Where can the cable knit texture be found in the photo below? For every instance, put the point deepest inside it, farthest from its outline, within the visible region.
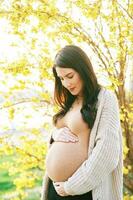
(102, 171)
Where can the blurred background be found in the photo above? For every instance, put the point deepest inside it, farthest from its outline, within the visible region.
(31, 33)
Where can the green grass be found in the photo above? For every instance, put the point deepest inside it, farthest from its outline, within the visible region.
(6, 182)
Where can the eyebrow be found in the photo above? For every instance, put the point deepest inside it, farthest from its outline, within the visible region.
(66, 74)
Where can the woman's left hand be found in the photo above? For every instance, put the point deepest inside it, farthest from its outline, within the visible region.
(59, 187)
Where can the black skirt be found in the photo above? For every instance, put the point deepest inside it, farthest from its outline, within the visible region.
(52, 195)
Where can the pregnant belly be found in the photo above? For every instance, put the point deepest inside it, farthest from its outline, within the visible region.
(63, 159)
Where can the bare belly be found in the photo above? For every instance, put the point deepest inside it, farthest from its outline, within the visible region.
(63, 159)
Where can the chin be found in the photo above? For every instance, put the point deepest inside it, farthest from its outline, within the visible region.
(74, 93)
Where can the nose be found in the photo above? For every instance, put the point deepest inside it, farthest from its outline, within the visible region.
(67, 84)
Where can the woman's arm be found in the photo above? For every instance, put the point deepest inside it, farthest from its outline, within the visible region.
(105, 155)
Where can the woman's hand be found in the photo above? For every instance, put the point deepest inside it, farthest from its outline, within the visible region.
(64, 135)
(59, 187)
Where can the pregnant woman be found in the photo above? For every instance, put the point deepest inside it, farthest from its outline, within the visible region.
(84, 161)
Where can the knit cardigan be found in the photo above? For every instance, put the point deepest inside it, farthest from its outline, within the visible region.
(102, 171)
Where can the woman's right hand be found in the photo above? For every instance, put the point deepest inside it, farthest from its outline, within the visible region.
(64, 135)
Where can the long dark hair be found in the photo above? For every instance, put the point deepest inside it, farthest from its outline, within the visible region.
(74, 57)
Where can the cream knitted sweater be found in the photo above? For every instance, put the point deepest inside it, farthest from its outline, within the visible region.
(102, 171)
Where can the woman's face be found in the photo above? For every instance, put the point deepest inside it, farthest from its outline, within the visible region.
(70, 80)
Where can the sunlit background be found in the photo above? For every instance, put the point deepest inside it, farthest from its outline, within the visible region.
(31, 33)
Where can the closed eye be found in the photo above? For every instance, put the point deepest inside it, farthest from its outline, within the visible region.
(69, 77)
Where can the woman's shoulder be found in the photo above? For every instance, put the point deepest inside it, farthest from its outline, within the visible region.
(107, 95)
(104, 92)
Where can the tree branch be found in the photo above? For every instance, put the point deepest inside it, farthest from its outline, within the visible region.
(122, 8)
(25, 101)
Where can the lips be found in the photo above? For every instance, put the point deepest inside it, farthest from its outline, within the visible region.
(72, 88)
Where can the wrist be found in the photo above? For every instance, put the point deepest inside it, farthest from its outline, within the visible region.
(66, 189)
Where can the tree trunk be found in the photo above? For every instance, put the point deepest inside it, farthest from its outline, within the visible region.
(128, 126)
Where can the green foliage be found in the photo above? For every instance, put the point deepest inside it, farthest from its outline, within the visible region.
(31, 33)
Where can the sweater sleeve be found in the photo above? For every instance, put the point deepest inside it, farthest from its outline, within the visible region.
(105, 155)
(44, 189)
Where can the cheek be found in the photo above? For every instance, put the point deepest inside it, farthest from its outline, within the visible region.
(63, 83)
(77, 80)
(80, 82)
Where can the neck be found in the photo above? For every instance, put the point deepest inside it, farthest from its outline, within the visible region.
(79, 99)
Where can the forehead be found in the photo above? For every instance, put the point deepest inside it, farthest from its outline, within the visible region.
(64, 71)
